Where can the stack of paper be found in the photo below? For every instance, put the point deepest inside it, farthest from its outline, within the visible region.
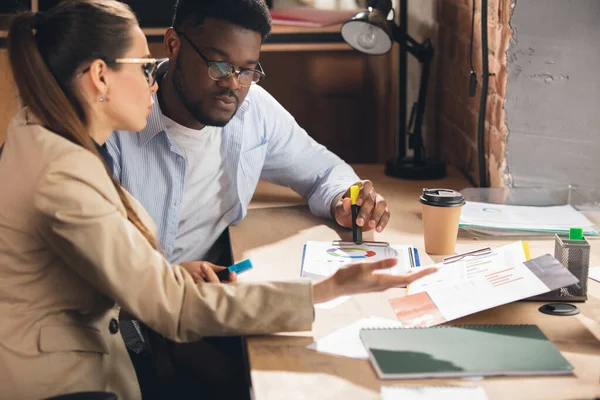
(506, 220)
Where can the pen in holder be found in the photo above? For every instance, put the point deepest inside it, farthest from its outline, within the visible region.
(573, 251)
(575, 255)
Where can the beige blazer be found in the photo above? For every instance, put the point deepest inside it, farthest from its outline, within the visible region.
(69, 257)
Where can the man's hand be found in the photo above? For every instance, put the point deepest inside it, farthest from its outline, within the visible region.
(373, 212)
(203, 271)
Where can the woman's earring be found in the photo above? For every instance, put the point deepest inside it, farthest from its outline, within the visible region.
(102, 99)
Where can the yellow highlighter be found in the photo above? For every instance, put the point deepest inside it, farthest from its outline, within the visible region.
(356, 230)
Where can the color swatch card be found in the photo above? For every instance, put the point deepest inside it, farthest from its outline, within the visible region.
(323, 259)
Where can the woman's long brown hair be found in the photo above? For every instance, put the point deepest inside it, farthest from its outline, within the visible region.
(46, 50)
(45, 53)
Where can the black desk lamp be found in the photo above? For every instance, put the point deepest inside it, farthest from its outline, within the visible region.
(372, 32)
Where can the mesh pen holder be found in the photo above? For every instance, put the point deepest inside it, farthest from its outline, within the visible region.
(575, 256)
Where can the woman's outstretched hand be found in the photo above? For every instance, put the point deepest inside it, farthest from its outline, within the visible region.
(364, 278)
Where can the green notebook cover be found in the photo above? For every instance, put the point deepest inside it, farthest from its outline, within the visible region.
(459, 351)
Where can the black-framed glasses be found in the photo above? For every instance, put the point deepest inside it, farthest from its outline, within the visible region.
(222, 70)
(149, 67)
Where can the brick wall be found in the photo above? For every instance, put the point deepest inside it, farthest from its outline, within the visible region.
(457, 113)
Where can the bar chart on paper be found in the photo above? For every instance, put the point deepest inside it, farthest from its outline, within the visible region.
(325, 258)
(467, 287)
(471, 267)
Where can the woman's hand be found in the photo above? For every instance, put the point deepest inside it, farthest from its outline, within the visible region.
(363, 278)
(203, 271)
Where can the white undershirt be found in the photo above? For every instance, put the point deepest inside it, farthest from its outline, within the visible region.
(209, 197)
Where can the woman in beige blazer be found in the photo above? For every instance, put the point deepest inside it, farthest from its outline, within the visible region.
(75, 248)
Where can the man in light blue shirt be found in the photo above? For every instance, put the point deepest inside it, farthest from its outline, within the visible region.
(209, 83)
(213, 133)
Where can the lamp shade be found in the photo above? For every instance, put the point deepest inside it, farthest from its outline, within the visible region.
(368, 32)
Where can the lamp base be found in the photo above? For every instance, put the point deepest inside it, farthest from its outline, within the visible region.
(559, 309)
(423, 171)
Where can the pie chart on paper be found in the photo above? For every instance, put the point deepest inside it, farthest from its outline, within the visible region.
(321, 259)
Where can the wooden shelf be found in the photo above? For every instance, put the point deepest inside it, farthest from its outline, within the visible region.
(276, 30)
(288, 38)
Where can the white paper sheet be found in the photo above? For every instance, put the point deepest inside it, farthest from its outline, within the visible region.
(432, 393)
(328, 305)
(595, 273)
(346, 341)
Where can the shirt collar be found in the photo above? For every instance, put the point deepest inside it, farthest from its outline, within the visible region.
(154, 124)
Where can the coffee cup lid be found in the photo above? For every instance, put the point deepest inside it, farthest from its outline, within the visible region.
(442, 198)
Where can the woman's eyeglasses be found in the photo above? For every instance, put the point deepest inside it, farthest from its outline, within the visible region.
(222, 70)
(149, 67)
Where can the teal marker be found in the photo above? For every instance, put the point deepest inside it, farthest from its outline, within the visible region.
(238, 268)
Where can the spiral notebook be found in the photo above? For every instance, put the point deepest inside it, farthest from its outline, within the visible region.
(461, 351)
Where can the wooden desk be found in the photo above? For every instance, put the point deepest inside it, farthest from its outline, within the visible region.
(273, 234)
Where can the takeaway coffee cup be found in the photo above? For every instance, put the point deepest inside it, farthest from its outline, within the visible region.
(441, 215)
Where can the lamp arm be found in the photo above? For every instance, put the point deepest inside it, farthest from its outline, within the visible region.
(421, 51)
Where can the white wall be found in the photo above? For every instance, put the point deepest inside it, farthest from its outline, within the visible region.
(553, 94)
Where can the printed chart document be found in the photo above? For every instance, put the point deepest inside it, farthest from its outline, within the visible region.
(505, 218)
(432, 393)
(346, 341)
(322, 259)
(471, 267)
(491, 285)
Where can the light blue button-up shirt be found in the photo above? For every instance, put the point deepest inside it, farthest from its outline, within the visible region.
(262, 141)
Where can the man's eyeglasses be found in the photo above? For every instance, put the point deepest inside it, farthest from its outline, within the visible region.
(149, 67)
(222, 70)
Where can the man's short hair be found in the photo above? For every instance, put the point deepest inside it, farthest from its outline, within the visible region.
(249, 14)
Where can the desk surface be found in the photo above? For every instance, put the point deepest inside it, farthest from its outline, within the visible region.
(272, 235)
